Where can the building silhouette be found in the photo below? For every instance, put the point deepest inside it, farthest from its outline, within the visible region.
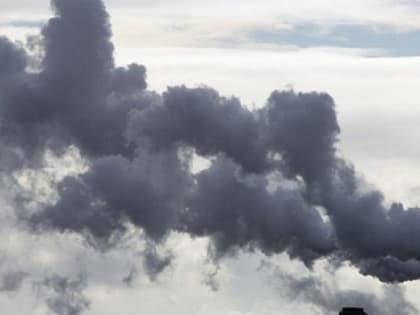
(352, 311)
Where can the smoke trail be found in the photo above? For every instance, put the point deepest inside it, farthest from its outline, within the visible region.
(275, 182)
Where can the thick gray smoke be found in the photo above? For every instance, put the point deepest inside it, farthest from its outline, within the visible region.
(275, 183)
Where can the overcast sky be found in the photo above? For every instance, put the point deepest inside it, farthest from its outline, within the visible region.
(365, 54)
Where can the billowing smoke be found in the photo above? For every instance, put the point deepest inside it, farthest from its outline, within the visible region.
(275, 183)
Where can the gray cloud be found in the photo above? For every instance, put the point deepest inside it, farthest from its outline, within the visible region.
(64, 296)
(155, 262)
(328, 300)
(275, 184)
(23, 23)
(382, 39)
(12, 280)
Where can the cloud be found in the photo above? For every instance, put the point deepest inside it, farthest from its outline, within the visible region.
(12, 281)
(23, 23)
(155, 262)
(378, 11)
(64, 296)
(314, 291)
(389, 41)
(279, 25)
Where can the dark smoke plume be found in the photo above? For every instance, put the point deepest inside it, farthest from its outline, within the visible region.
(275, 183)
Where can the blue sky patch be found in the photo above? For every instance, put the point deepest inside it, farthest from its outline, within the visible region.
(397, 44)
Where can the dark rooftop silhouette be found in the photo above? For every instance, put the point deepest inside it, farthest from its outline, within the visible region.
(352, 311)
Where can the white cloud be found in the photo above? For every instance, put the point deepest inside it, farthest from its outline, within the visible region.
(224, 23)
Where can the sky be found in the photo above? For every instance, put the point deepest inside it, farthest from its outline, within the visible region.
(215, 195)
